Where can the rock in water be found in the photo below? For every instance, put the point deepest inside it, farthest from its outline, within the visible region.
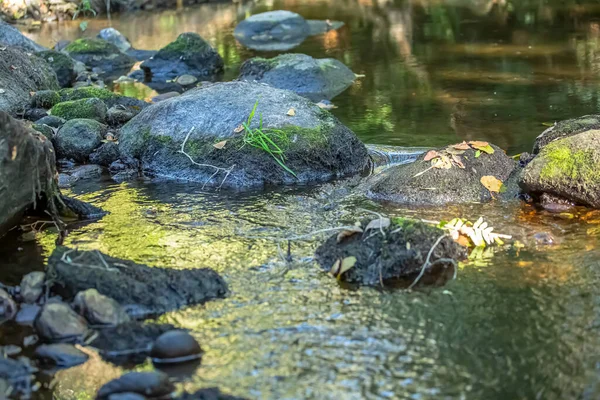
(272, 31)
(142, 289)
(453, 181)
(8, 307)
(11, 36)
(150, 384)
(59, 323)
(18, 373)
(21, 74)
(27, 171)
(208, 394)
(115, 37)
(78, 138)
(106, 154)
(188, 55)
(98, 53)
(32, 286)
(316, 146)
(563, 129)
(567, 168)
(401, 253)
(63, 66)
(315, 79)
(175, 347)
(60, 354)
(99, 309)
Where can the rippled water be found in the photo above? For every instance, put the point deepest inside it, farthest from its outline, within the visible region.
(520, 323)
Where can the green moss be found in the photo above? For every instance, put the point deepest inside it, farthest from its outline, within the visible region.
(298, 136)
(45, 99)
(56, 59)
(562, 163)
(44, 130)
(91, 45)
(86, 93)
(85, 108)
(187, 44)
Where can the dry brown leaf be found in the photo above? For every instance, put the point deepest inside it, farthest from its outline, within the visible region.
(238, 129)
(348, 233)
(14, 153)
(483, 146)
(291, 112)
(456, 159)
(442, 162)
(452, 150)
(431, 154)
(491, 183)
(462, 146)
(379, 223)
(220, 145)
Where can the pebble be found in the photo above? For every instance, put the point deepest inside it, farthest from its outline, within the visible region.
(27, 314)
(99, 309)
(58, 322)
(150, 384)
(175, 347)
(32, 286)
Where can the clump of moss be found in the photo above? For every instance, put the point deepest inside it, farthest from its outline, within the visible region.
(87, 92)
(562, 163)
(44, 130)
(85, 108)
(91, 45)
(187, 45)
(45, 99)
(57, 59)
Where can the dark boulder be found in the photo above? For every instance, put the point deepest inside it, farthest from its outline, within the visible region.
(188, 55)
(106, 154)
(20, 74)
(153, 384)
(60, 354)
(119, 115)
(400, 252)
(457, 180)
(78, 138)
(85, 108)
(315, 79)
(272, 31)
(314, 145)
(98, 53)
(99, 309)
(564, 129)
(57, 322)
(72, 207)
(142, 290)
(63, 65)
(118, 39)
(11, 36)
(568, 168)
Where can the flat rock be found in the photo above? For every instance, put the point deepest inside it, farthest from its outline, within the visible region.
(272, 31)
(60, 354)
(57, 322)
(149, 384)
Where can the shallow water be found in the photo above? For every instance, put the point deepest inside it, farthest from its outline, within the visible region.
(517, 323)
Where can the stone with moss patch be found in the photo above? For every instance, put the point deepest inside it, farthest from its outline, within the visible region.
(98, 53)
(85, 108)
(567, 168)
(316, 79)
(63, 66)
(44, 130)
(45, 99)
(109, 98)
(563, 129)
(316, 146)
(78, 138)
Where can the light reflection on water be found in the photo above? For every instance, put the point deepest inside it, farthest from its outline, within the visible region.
(515, 324)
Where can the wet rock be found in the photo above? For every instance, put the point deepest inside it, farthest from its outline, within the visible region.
(78, 138)
(18, 373)
(165, 96)
(33, 114)
(52, 121)
(272, 31)
(106, 154)
(567, 168)
(317, 146)
(544, 238)
(315, 79)
(126, 396)
(188, 55)
(150, 384)
(186, 80)
(85, 108)
(11, 36)
(60, 354)
(57, 322)
(115, 37)
(175, 347)
(420, 184)
(99, 309)
(128, 343)
(400, 254)
(109, 98)
(564, 129)
(8, 307)
(20, 74)
(45, 99)
(80, 173)
(80, 209)
(98, 53)
(32, 286)
(147, 290)
(63, 65)
(118, 115)
(27, 172)
(27, 314)
(555, 204)
(208, 394)
(45, 130)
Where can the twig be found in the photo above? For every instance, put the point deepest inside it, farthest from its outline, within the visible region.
(217, 169)
(305, 236)
(377, 214)
(426, 263)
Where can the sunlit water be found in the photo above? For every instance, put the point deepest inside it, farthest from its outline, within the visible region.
(517, 323)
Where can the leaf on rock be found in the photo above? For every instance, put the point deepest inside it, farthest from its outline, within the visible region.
(483, 146)
(443, 162)
(431, 154)
(379, 223)
(492, 183)
(457, 161)
(348, 233)
(477, 153)
(340, 266)
(238, 129)
(291, 112)
(14, 153)
(220, 145)
(462, 146)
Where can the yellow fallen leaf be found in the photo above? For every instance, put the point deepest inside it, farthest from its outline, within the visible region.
(442, 162)
(291, 112)
(220, 145)
(492, 183)
(482, 146)
(341, 266)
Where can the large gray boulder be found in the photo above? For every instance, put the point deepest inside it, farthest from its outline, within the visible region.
(11, 36)
(315, 79)
(420, 183)
(27, 171)
(568, 168)
(272, 31)
(563, 129)
(314, 145)
(21, 74)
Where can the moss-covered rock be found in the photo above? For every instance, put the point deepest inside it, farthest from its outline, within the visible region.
(419, 183)
(45, 99)
(315, 145)
(568, 168)
(63, 66)
(78, 138)
(316, 79)
(565, 129)
(85, 108)
(44, 130)
(190, 54)
(105, 155)
(109, 98)
(98, 53)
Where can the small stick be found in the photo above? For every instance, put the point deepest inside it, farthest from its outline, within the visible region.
(426, 264)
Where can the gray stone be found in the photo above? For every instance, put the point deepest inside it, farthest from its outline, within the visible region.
(11, 36)
(106, 154)
(98, 53)
(78, 138)
(318, 27)
(99, 309)
(115, 37)
(60, 354)
(564, 129)
(117, 115)
(63, 65)
(8, 307)
(52, 121)
(27, 314)
(19, 375)
(32, 286)
(175, 347)
(149, 384)
(126, 396)
(45, 99)
(317, 146)
(57, 322)
(315, 79)
(272, 31)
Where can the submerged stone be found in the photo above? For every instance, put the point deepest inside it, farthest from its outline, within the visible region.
(99, 309)
(19, 375)
(208, 394)
(57, 322)
(153, 384)
(60, 354)
(175, 347)
(316, 146)
(78, 138)
(315, 79)
(272, 31)
(85, 108)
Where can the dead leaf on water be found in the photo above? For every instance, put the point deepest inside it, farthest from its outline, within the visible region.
(291, 112)
(220, 145)
(348, 233)
(379, 223)
(492, 183)
(431, 154)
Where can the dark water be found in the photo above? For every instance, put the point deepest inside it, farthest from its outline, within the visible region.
(517, 323)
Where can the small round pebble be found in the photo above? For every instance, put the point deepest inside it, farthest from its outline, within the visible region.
(175, 347)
